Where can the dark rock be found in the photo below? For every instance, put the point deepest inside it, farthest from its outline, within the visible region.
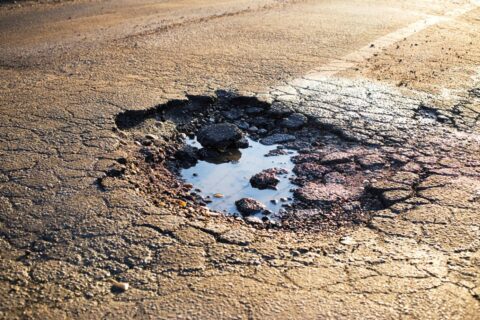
(119, 287)
(242, 124)
(262, 122)
(310, 170)
(253, 110)
(276, 152)
(277, 138)
(267, 179)
(187, 156)
(232, 114)
(122, 160)
(249, 206)
(219, 136)
(279, 110)
(147, 142)
(294, 121)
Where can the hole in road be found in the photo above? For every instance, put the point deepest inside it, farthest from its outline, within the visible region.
(262, 161)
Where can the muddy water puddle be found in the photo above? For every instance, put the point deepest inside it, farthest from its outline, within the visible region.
(328, 181)
(225, 180)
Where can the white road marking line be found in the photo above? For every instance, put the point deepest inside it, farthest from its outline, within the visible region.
(352, 59)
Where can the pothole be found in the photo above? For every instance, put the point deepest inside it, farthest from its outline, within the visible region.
(264, 162)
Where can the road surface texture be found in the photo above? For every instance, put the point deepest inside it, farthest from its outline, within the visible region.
(399, 75)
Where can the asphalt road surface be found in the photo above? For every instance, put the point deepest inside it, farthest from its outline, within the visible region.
(401, 75)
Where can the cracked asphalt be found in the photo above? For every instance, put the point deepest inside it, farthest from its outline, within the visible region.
(69, 68)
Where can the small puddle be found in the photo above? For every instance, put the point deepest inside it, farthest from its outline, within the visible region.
(230, 177)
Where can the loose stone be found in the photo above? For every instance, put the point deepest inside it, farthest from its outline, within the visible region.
(294, 121)
(249, 206)
(266, 179)
(219, 136)
(151, 136)
(119, 287)
(254, 220)
(232, 114)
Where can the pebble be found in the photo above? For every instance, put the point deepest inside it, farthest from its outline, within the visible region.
(347, 241)
(218, 195)
(254, 220)
(182, 203)
(120, 286)
(151, 136)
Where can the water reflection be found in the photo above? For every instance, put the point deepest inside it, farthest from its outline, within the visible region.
(229, 174)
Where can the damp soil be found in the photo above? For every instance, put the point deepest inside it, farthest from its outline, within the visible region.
(325, 180)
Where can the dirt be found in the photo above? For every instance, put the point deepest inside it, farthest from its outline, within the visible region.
(80, 218)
